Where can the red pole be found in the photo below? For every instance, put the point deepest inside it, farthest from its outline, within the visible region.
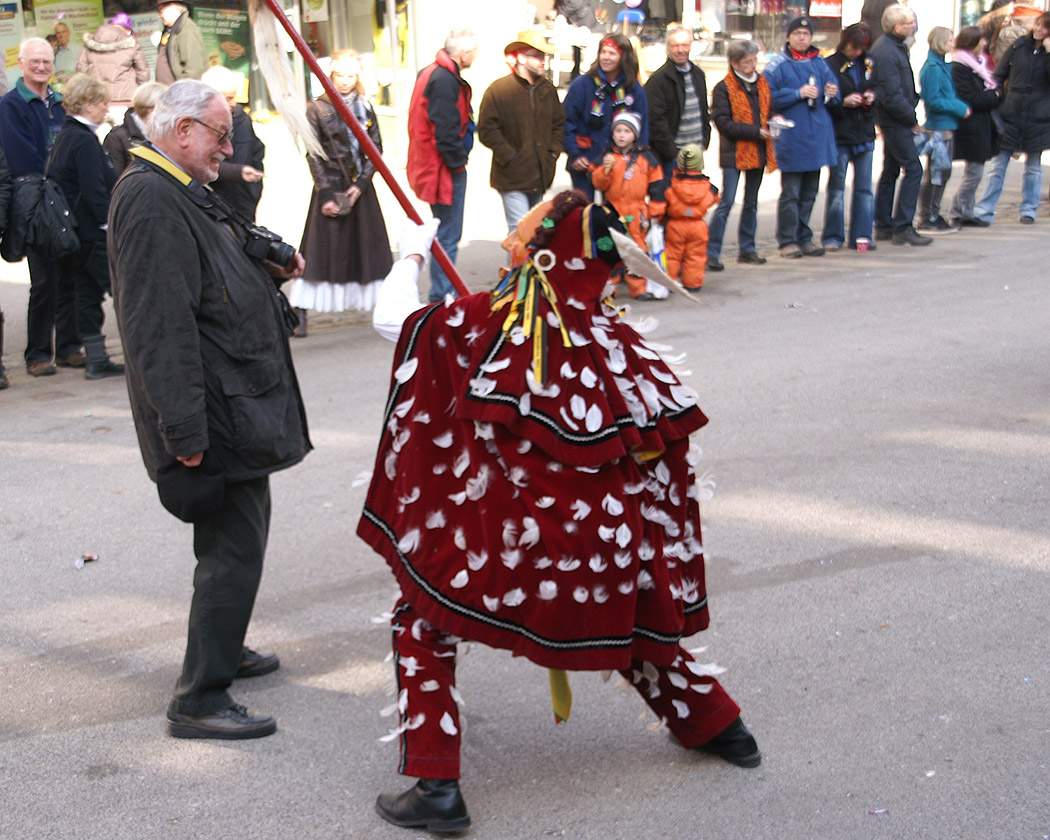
(366, 142)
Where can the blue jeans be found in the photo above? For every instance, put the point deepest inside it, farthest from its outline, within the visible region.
(862, 209)
(798, 191)
(899, 152)
(448, 236)
(516, 204)
(748, 214)
(1031, 186)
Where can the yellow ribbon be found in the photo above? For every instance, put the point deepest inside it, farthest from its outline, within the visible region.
(561, 695)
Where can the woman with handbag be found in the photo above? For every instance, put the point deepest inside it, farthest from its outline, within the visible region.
(84, 172)
(345, 242)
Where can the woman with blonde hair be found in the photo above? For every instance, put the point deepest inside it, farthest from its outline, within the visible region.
(944, 109)
(134, 131)
(86, 175)
(345, 242)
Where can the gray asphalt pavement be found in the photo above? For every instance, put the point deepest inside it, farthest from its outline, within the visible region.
(878, 559)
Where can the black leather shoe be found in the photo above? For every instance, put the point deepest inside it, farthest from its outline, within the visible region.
(882, 234)
(431, 804)
(714, 264)
(256, 664)
(232, 724)
(811, 249)
(751, 258)
(734, 744)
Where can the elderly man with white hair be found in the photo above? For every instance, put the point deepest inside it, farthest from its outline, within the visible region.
(213, 392)
(440, 137)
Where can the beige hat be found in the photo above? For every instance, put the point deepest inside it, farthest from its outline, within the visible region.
(529, 40)
(691, 158)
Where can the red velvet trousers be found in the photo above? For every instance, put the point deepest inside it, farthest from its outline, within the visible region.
(694, 706)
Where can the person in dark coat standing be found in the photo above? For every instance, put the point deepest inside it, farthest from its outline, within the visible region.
(440, 138)
(86, 176)
(345, 240)
(241, 174)
(1024, 72)
(854, 121)
(521, 120)
(975, 138)
(133, 131)
(7, 185)
(213, 391)
(31, 115)
(741, 105)
(677, 94)
(895, 101)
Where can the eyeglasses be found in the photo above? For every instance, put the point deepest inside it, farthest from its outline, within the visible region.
(222, 136)
(40, 62)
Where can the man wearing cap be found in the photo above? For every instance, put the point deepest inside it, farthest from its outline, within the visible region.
(801, 86)
(895, 101)
(181, 53)
(522, 121)
(677, 93)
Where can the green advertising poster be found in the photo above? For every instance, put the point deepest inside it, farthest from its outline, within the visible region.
(66, 22)
(227, 38)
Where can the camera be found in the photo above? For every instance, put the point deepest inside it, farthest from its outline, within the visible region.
(263, 244)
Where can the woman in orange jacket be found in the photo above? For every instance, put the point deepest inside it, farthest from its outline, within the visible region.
(688, 199)
(626, 173)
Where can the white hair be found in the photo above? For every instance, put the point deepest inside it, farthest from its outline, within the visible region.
(223, 79)
(186, 98)
(33, 42)
(459, 41)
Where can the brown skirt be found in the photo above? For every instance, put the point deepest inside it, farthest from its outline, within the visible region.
(346, 249)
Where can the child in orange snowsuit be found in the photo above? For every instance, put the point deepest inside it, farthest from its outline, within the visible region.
(624, 176)
(688, 198)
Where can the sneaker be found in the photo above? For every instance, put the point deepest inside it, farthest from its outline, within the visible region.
(974, 222)
(883, 233)
(791, 252)
(77, 359)
(937, 225)
(909, 236)
(41, 369)
(832, 247)
(812, 250)
(714, 264)
(1027, 220)
(751, 258)
(103, 370)
(644, 296)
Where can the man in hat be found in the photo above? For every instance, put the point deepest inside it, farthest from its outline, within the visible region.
(522, 121)
(181, 53)
(677, 94)
(534, 492)
(801, 86)
(895, 101)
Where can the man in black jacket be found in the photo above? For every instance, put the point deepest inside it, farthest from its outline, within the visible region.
(213, 392)
(677, 94)
(240, 176)
(895, 101)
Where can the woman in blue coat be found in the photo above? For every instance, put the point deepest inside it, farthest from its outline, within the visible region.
(944, 109)
(611, 85)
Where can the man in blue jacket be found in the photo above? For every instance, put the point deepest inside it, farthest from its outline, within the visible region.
(801, 87)
(31, 116)
(895, 101)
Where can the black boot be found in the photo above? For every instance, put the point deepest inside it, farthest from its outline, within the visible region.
(98, 364)
(734, 744)
(431, 804)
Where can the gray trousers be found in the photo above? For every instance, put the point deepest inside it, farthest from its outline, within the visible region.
(962, 204)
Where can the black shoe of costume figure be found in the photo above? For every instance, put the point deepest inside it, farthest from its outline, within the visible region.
(430, 804)
(735, 745)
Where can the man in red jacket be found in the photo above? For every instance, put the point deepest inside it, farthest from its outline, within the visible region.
(440, 137)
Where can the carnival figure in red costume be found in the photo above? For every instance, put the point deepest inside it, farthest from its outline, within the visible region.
(534, 490)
